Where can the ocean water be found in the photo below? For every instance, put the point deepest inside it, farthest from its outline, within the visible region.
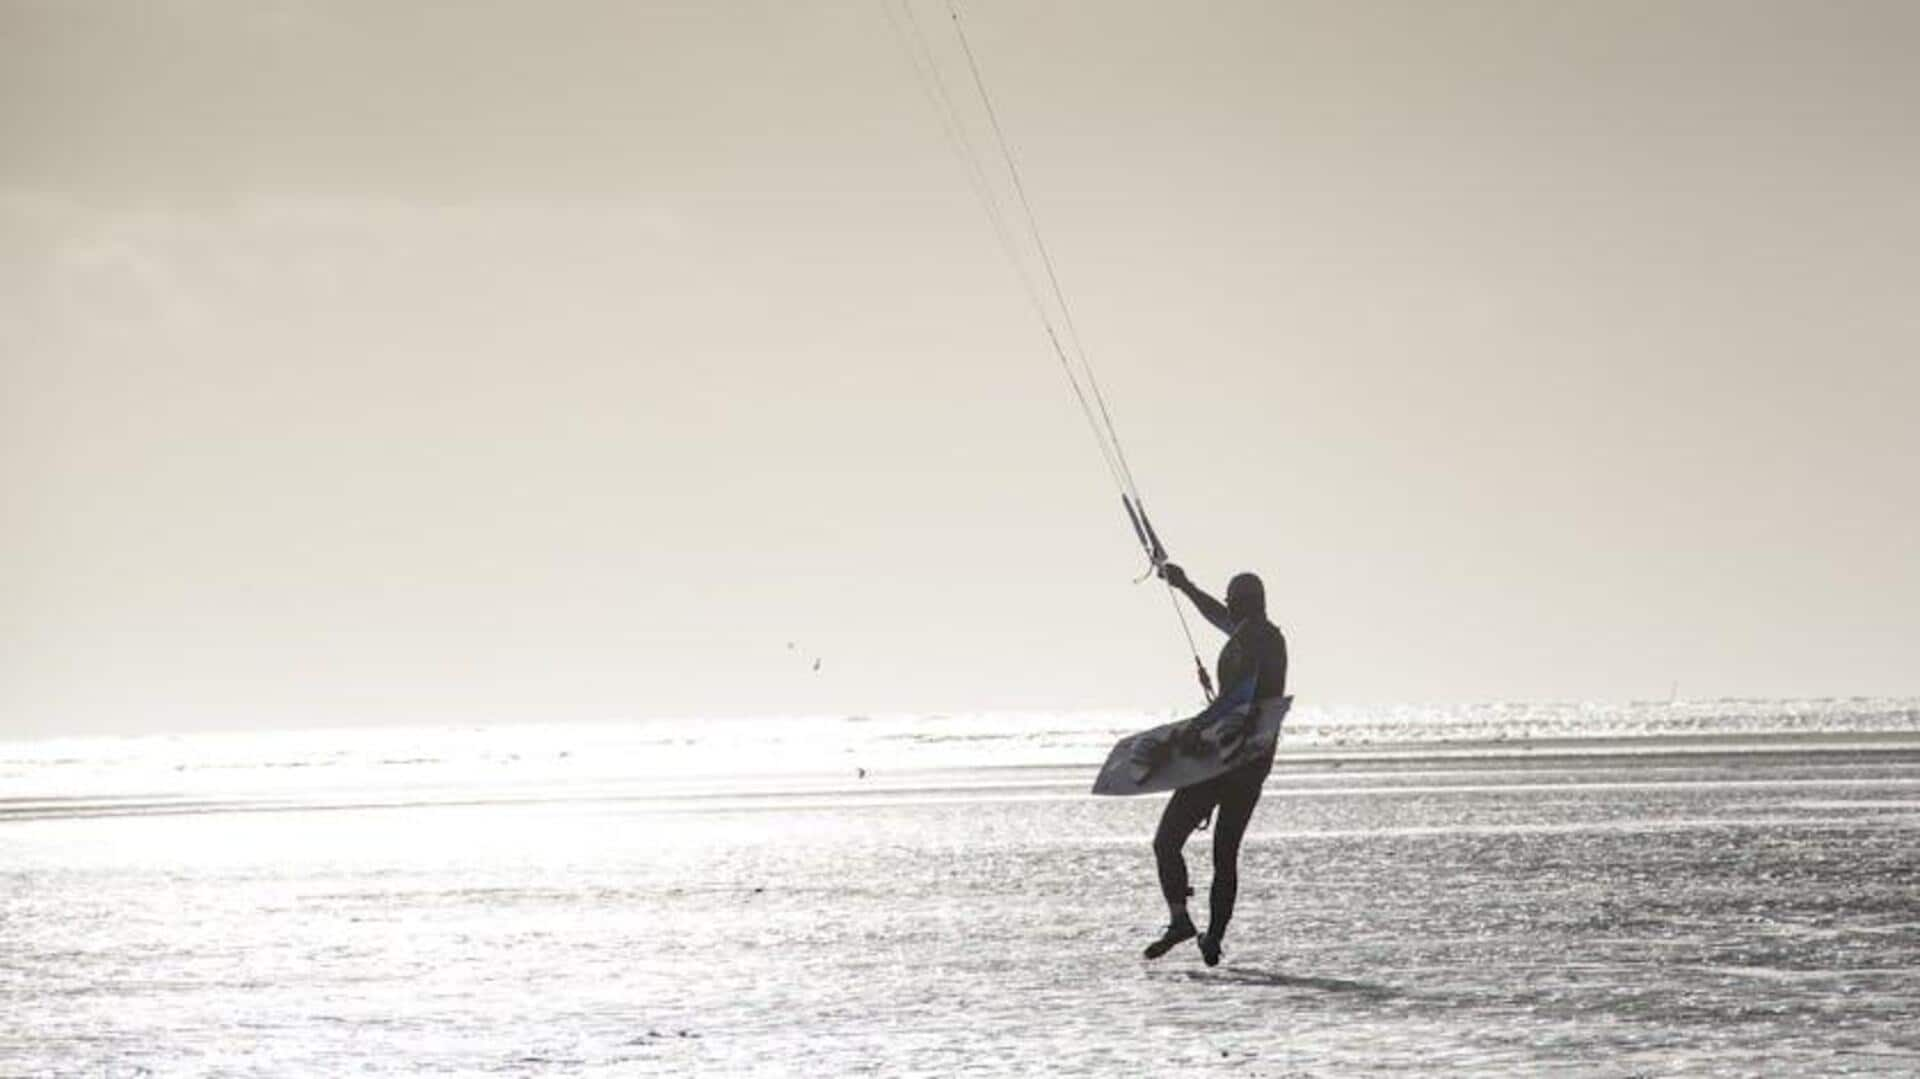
(1725, 887)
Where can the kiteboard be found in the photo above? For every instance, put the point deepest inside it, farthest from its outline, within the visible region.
(1234, 730)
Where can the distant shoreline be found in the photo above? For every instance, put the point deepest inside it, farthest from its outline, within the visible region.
(804, 789)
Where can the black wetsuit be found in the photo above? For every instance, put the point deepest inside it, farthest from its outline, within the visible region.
(1256, 647)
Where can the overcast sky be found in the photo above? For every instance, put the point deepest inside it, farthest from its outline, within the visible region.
(385, 362)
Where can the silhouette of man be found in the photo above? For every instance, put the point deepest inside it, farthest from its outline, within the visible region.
(1255, 647)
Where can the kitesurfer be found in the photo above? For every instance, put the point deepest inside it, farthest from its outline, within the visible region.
(1255, 647)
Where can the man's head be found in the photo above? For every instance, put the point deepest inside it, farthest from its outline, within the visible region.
(1246, 598)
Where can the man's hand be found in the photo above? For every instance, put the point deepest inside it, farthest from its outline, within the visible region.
(1212, 609)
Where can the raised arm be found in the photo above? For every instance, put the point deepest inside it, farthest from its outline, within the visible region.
(1211, 609)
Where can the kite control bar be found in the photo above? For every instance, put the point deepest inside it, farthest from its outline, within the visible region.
(1157, 558)
(1143, 531)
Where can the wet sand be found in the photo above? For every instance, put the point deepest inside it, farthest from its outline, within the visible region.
(1715, 911)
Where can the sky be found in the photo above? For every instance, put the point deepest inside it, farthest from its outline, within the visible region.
(373, 363)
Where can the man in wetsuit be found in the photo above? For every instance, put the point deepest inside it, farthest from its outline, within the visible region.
(1255, 647)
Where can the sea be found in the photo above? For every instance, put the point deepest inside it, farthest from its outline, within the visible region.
(1713, 887)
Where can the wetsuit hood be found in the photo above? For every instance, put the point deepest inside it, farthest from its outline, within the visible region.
(1246, 598)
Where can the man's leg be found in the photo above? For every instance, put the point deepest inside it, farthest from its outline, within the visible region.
(1239, 794)
(1184, 812)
